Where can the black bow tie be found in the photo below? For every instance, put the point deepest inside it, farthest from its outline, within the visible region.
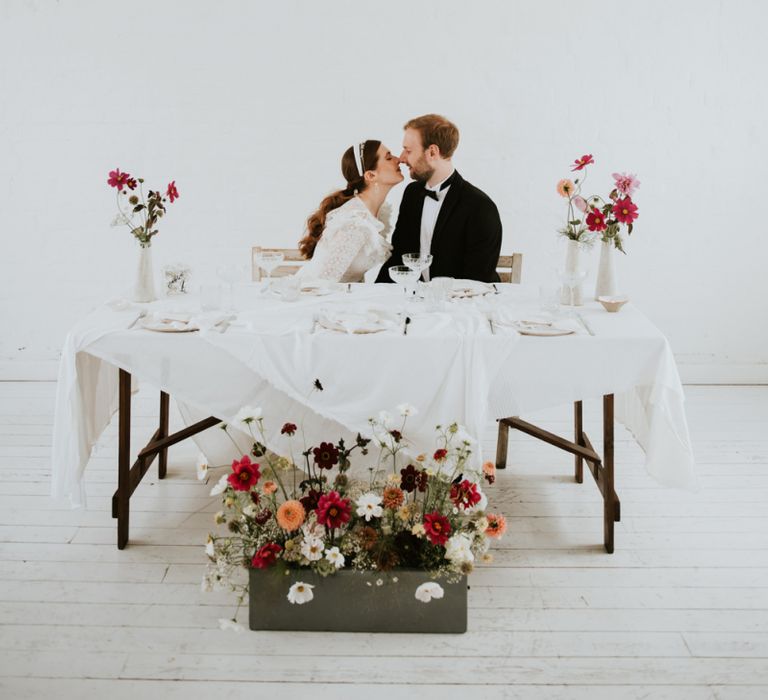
(433, 193)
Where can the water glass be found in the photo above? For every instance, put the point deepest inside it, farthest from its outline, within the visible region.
(210, 297)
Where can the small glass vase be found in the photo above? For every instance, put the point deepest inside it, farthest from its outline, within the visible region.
(144, 287)
(606, 274)
(570, 294)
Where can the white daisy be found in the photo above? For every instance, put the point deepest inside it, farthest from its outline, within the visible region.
(405, 410)
(312, 548)
(300, 593)
(334, 556)
(426, 591)
(369, 506)
(221, 486)
(202, 467)
(248, 414)
(232, 625)
(458, 549)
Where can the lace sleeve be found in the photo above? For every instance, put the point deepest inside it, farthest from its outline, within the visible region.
(344, 243)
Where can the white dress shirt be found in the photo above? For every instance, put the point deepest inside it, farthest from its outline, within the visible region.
(429, 218)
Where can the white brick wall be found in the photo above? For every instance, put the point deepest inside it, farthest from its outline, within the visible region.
(249, 105)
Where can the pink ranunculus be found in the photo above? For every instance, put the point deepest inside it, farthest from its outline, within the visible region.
(625, 211)
(580, 203)
(172, 193)
(596, 220)
(118, 179)
(626, 183)
(583, 162)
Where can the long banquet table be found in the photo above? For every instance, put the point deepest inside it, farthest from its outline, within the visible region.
(465, 363)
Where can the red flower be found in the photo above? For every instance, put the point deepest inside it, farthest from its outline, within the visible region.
(310, 500)
(440, 455)
(412, 479)
(583, 162)
(245, 474)
(266, 556)
(465, 495)
(596, 220)
(131, 183)
(326, 455)
(625, 211)
(332, 510)
(262, 516)
(172, 193)
(396, 434)
(437, 527)
(118, 179)
(288, 429)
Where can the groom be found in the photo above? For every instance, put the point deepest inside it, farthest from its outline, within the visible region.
(441, 213)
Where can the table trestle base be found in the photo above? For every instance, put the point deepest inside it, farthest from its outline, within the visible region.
(601, 468)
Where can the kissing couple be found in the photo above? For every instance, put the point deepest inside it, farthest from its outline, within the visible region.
(440, 212)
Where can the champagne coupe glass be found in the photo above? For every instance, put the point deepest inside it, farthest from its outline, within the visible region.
(417, 262)
(268, 261)
(405, 276)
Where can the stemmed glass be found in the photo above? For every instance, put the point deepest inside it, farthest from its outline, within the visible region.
(572, 280)
(231, 274)
(417, 262)
(268, 261)
(405, 276)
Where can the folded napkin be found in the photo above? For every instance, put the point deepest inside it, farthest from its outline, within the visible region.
(350, 321)
(466, 289)
(184, 321)
(534, 324)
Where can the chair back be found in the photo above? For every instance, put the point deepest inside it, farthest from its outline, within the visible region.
(292, 261)
(510, 268)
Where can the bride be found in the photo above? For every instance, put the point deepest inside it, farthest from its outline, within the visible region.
(347, 235)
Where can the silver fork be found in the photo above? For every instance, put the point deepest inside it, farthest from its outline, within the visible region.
(141, 315)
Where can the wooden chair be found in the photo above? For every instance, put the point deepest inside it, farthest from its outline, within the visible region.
(510, 267)
(290, 255)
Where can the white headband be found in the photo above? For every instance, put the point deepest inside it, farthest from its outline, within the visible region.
(358, 153)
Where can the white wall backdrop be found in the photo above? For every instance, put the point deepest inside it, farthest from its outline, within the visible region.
(249, 105)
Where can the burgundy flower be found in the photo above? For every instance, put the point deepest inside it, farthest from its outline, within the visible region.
(118, 179)
(332, 510)
(131, 183)
(262, 516)
(255, 497)
(437, 527)
(172, 193)
(412, 479)
(465, 494)
(245, 474)
(288, 429)
(583, 162)
(310, 500)
(440, 455)
(625, 211)
(596, 220)
(396, 434)
(326, 455)
(266, 556)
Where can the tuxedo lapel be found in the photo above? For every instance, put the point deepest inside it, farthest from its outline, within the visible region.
(451, 198)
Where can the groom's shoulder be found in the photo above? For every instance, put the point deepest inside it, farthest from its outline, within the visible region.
(474, 194)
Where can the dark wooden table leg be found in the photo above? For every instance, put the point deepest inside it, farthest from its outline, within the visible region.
(123, 459)
(163, 432)
(578, 428)
(609, 508)
(501, 445)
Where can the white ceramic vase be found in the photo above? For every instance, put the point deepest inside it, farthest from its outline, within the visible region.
(570, 294)
(144, 288)
(606, 274)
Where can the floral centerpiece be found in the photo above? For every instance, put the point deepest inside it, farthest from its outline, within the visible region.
(424, 512)
(599, 217)
(140, 214)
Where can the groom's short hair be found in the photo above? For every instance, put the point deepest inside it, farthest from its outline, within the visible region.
(438, 130)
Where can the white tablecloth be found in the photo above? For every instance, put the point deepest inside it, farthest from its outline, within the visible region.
(453, 365)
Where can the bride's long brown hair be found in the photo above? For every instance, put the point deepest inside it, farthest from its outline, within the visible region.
(355, 184)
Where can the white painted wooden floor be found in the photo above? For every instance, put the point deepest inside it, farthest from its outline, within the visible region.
(680, 611)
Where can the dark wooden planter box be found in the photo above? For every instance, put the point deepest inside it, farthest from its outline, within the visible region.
(351, 601)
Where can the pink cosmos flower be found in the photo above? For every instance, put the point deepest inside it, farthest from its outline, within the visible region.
(172, 193)
(596, 220)
(580, 203)
(626, 183)
(118, 179)
(583, 162)
(625, 211)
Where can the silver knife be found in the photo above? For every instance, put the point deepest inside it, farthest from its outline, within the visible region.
(584, 323)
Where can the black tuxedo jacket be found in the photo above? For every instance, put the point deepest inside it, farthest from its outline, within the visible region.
(467, 237)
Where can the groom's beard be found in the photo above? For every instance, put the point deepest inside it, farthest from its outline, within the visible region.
(421, 172)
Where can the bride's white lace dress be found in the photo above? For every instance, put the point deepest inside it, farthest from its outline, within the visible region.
(353, 242)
